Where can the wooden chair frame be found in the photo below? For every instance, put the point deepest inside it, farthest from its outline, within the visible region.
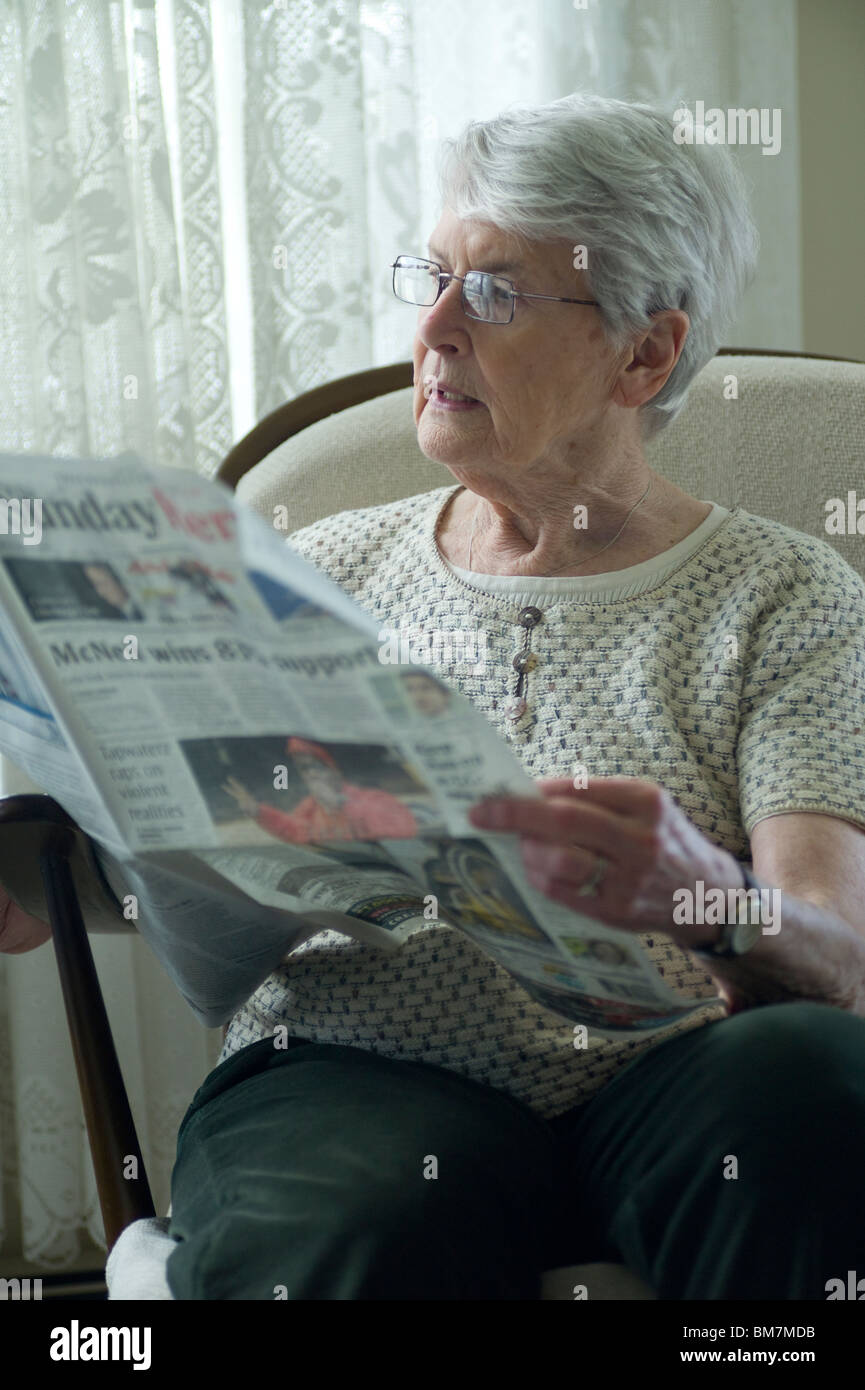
(111, 1133)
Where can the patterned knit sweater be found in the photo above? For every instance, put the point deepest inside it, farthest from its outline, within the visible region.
(736, 681)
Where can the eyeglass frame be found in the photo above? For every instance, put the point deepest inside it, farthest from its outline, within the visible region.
(446, 276)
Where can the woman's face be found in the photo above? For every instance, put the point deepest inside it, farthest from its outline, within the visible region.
(542, 383)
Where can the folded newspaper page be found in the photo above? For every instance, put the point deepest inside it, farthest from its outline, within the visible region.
(254, 767)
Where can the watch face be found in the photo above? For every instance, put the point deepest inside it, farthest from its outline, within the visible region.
(745, 935)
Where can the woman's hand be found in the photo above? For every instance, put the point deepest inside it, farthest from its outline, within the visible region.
(244, 798)
(650, 846)
(19, 932)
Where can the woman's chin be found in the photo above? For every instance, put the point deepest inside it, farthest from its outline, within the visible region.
(447, 445)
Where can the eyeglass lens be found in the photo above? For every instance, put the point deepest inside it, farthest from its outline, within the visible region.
(485, 296)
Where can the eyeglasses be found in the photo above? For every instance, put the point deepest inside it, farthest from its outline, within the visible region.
(488, 298)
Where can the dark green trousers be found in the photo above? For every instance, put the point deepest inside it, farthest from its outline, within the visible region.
(727, 1163)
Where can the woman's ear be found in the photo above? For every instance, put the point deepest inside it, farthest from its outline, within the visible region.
(652, 357)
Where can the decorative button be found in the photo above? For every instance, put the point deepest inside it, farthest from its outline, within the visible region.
(515, 707)
(525, 662)
(529, 617)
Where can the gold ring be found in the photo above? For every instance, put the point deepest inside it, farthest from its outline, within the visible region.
(590, 888)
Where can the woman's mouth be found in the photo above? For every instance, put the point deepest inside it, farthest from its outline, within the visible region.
(447, 397)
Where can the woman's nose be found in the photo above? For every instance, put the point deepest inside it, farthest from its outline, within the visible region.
(446, 315)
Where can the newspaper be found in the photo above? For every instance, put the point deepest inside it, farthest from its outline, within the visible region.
(229, 728)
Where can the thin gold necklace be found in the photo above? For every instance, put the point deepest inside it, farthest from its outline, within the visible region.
(579, 563)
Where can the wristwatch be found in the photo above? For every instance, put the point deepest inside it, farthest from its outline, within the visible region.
(741, 935)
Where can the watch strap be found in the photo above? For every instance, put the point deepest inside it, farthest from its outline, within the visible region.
(723, 948)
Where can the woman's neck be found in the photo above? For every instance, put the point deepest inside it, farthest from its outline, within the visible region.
(605, 530)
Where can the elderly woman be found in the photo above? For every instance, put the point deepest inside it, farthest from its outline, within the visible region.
(413, 1125)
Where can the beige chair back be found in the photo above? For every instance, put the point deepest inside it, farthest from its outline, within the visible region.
(778, 436)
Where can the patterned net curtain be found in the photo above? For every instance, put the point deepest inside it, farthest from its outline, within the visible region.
(95, 358)
(200, 201)
(346, 104)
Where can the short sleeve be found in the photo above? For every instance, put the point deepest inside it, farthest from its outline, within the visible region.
(801, 744)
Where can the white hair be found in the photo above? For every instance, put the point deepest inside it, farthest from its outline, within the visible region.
(666, 225)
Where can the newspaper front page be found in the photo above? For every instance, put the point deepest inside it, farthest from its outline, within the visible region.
(255, 765)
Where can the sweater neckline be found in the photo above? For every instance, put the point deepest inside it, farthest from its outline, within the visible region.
(628, 585)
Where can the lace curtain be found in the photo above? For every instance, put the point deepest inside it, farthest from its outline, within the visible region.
(198, 205)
